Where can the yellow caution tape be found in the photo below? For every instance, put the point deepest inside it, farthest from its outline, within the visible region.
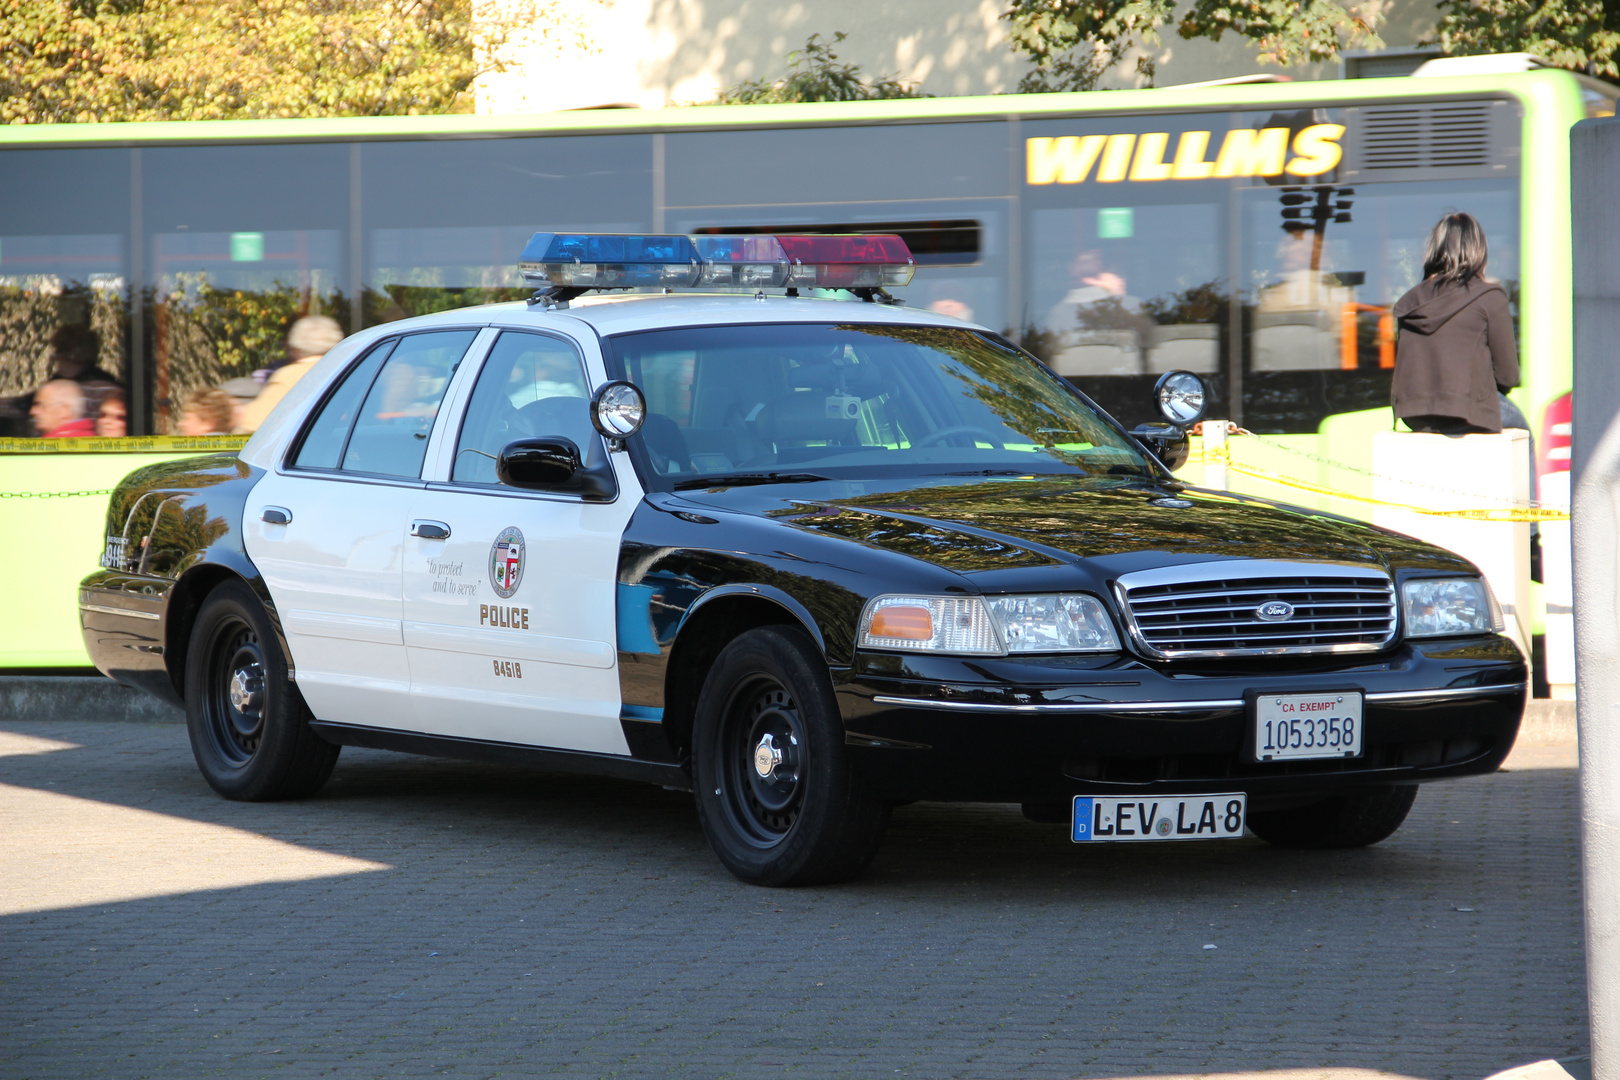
(1523, 513)
(137, 444)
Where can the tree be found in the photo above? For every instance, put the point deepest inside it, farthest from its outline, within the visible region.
(815, 75)
(1581, 35)
(1075, 42)
(64, 61)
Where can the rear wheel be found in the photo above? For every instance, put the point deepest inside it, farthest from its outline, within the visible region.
(248, 723)
(775, 792)
(1354, 819)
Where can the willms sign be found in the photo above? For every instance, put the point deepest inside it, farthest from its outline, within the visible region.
(1069, 159)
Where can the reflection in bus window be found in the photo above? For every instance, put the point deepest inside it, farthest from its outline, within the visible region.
(224, 301)
(1121, 294)
(1320, 283)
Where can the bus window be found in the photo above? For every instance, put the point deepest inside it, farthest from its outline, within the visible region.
(1119, 294)
(240, 241)
(443, 219)
(63, 241)
(1323, 265)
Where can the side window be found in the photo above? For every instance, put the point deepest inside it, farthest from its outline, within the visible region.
(323, 443)
(531, 385)
(390, 434)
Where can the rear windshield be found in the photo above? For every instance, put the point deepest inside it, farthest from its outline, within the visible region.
(847, 401)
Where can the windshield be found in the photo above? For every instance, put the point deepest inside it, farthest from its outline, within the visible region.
(842, 401)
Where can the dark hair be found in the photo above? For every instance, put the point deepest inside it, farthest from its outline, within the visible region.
(77, 342)
(1455, 250)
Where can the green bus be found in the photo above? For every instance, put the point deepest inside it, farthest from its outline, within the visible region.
(1256, 234)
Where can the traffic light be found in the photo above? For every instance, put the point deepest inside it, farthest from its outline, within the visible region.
(1313, 208)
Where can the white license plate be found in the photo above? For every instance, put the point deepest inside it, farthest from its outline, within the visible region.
(1165, 817)
(1294, 727)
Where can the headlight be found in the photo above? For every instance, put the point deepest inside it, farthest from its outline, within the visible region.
(1436, 607)
(988, 626)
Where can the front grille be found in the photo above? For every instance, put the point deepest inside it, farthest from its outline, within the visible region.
(1213, 609)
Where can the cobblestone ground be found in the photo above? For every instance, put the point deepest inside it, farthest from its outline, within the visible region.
(426, 918)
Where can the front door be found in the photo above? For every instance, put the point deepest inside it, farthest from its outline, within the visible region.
(509, 619)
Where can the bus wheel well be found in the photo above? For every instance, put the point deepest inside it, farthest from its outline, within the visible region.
(185, 599)
(714, 626)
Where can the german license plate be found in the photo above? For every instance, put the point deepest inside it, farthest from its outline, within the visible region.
(1166, 817)
(1296, 727)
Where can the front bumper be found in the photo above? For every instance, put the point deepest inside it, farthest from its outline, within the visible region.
(1045, 730)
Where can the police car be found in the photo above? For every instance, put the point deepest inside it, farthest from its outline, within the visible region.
(808, 558)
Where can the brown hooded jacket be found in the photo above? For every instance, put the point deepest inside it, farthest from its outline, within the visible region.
(1455, 351)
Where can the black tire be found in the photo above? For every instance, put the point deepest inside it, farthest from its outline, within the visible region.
(249, 725)
(1355, 819)
(809, 820)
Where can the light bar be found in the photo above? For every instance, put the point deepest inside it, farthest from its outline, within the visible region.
(608, 261)
(578, 261)
(853, 261)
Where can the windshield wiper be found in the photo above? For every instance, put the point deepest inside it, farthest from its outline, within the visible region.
(741, 479)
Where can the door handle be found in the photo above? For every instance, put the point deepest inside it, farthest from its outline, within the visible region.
(276, 515)
(430, 530)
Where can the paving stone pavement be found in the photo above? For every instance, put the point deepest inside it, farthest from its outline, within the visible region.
(428, 918)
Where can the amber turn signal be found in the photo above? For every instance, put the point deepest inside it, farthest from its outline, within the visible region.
(905, 623)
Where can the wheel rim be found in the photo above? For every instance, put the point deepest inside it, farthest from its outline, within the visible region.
(762, 761)
(236, 696)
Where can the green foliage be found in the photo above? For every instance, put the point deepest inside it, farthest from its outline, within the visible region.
(1075, 42)
(814, 74)
(65, 61)
(1581, 35)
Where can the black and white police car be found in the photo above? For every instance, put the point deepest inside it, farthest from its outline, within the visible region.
(807, 558)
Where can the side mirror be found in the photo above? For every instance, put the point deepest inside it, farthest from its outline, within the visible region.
(538, 463)
(1179, 396)
(552, 463)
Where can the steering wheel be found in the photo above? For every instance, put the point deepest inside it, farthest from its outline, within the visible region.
(959, 429)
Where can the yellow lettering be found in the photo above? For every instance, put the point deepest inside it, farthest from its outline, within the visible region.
(1116, 159)
(1150, 163)
(1253, 153)
(483, 614)
(1190, 163)
(525, 618)
(1318, 149)
(1063, 160)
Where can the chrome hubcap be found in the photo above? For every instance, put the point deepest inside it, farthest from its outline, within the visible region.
(245, 690)
(767, 756)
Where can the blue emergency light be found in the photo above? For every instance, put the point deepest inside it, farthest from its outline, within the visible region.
(563, 265)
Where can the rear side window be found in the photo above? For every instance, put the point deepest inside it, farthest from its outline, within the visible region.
(323, 442)
(402, 383)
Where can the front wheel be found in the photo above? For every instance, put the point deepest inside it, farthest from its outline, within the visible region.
(248, 723)
(775, 791)
(1354, 819)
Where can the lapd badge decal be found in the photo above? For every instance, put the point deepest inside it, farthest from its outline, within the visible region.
(506, 562)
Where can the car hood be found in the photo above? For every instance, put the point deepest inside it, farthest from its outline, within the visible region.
(987, 525)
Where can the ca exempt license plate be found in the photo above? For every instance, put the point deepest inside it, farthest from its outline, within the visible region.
(1295, 727)
(1166, 817)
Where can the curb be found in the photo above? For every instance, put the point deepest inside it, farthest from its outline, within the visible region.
(74, 697)
(80, 697)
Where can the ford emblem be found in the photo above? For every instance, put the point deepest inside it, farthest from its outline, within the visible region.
(1275, 610)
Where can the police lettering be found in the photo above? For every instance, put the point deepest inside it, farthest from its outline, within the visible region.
(1071, 159)
(513, 618)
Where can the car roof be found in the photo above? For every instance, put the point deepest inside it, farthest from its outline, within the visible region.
(627, 313)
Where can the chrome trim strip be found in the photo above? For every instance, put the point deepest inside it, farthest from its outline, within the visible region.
(1237, 569)
(131, 612)
(1444, 692)
(1086, 706)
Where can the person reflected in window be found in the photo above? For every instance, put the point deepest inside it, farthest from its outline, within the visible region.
(1099, 299)
(1455, 354)
(1300, 283)
(207, 412)
(58, 411)
(307, 341)
(105, 404)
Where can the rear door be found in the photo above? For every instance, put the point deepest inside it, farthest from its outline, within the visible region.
(333, 567)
